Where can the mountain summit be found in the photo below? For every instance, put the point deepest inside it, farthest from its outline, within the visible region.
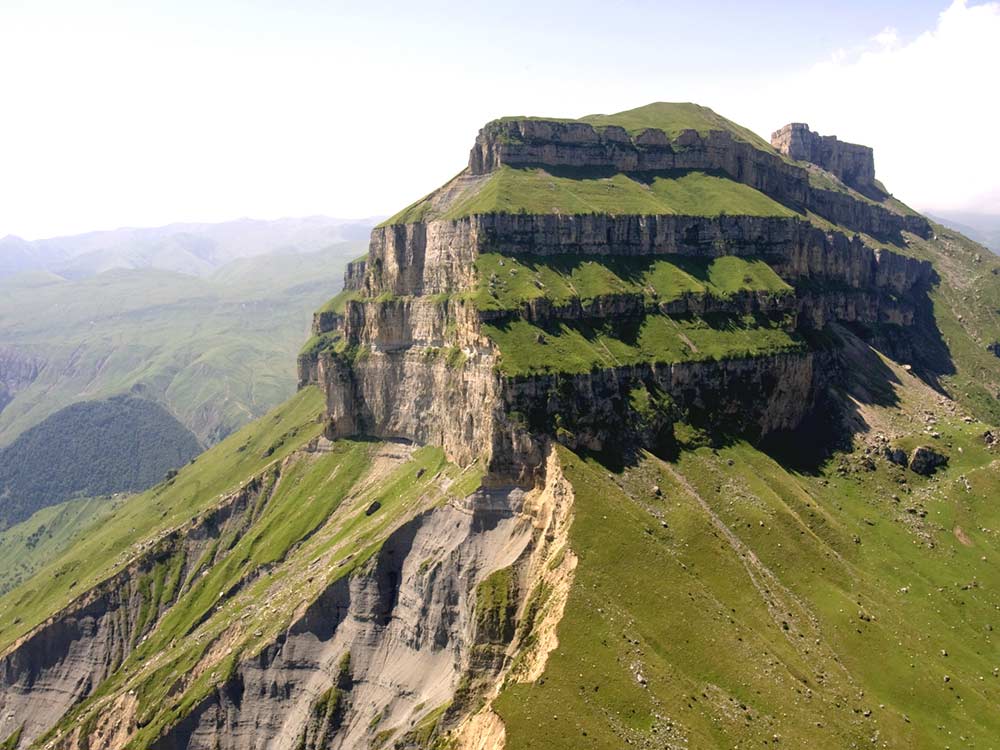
(641, 431)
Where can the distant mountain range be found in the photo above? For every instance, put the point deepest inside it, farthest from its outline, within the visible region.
(983, 228)
(212, 338)
(196, 249)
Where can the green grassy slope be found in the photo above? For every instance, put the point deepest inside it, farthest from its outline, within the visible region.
(30, 544)
(749, 605)
(217, 352)
(535, 190)
(505, 282)
(197, 486)
(526, 348)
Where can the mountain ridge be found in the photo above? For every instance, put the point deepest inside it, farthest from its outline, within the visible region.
(572, 480)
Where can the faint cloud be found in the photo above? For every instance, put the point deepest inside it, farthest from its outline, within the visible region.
(887, 39)
(928, 106)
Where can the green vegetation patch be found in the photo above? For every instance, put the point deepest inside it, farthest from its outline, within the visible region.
(338, 303)
(122, 444)
(496, 606)
(744, 602)
(579, 347)
(197, 486)
(506, 282)
(513, 190)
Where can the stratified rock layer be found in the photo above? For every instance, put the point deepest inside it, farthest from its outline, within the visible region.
(412, 360)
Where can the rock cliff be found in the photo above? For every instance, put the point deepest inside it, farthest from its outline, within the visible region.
(415, 353)
(852, 163)
(668, 431)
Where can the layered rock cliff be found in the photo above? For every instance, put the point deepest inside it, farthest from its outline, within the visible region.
(688, 508)
(852, 163)
(419, 351)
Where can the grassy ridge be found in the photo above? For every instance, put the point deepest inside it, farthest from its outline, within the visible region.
(505, 282)
(303, 539)
(579, 347)
(540, 191)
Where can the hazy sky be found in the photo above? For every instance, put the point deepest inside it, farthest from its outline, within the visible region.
(144, 113)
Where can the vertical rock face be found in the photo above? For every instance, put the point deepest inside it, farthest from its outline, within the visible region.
(354, 276)
(412, 359)
(852, 163)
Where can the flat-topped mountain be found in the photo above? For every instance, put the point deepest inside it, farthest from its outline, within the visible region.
(597, 280)
(639, 432)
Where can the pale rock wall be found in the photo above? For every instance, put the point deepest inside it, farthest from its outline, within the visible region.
(439, 257)
(520, 143)
(407, 621)
(852, 163)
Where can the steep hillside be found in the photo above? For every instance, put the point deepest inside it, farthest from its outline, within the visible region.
(639, 432)
(26, 546)
(215, 351)
(122, 444)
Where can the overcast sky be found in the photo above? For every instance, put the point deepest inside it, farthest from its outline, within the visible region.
(145, 113)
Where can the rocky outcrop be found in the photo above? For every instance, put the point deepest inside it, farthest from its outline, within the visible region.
(852, 163)
(575, 144)
(819, 308)
(354, 276)
(925, 460)
(542, 310)
(522, 143)
(439, 257)
(17, 371)
(407, 621)
(601, 410)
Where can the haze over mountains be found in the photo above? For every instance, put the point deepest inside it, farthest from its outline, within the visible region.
(192, 248)
(983, 228)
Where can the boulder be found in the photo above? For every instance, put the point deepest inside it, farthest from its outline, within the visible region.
(925, 460)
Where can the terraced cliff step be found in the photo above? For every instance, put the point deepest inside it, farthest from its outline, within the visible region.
(624, 249)
(440, 257)
(665, 137)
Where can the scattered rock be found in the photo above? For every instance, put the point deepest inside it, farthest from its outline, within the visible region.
(896, 456)
(925, 460)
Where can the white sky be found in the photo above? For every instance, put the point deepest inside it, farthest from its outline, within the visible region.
(145, 113)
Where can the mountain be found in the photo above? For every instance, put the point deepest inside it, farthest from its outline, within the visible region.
(641, 431)
(983, 228)
(216, 351)
(122, 444)
(196, 249)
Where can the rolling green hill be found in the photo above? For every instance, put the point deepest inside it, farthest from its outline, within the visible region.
(91, 448)
(216, 351)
